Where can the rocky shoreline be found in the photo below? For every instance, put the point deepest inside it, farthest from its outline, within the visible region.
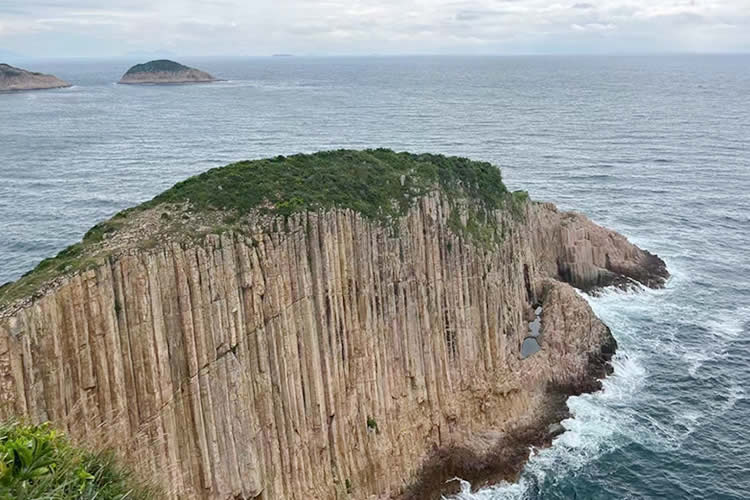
(487, 459)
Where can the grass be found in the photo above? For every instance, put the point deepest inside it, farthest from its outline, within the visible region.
(372, 424)
(74, 258)
(379, 184)
(38, 462)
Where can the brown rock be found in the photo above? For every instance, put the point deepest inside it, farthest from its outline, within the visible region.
(257, 368)
(12, 79)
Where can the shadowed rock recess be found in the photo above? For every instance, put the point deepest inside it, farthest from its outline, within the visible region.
(340, 325)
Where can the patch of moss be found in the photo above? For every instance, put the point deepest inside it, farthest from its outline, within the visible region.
(100, 231)
(519, 199)
(71, 259)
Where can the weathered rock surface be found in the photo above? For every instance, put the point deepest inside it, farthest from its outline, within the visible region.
(164, 71)
(555, 430)
(330, 360)
(594, 256)
(12, 79)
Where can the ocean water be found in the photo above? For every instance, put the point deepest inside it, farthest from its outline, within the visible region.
(657, 148)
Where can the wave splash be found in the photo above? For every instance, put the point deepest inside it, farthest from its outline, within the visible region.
(654, 329)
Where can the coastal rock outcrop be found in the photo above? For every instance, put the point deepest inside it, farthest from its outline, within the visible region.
(293, 352)
(164, 71)
(13, 79)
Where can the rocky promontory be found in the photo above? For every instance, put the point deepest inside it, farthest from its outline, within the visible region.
(164, 71)
(343, 325)
(12, 78)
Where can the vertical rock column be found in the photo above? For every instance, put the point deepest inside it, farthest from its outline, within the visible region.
(328, 357)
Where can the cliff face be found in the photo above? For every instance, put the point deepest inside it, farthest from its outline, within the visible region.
(12, 78)
(331, 359)
(163, 71)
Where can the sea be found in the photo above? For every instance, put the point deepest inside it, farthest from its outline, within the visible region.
(655, 147)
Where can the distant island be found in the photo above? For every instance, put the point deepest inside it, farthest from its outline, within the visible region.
(12, 79)
(164, 71)
(282, 55)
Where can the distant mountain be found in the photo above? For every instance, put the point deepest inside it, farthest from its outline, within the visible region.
(153, 54)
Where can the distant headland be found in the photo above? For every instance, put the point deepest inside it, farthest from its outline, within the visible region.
(164, 71)
(12, 79)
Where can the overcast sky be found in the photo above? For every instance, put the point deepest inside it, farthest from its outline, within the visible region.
(263, 27)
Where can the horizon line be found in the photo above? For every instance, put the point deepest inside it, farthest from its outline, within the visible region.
(292, 55)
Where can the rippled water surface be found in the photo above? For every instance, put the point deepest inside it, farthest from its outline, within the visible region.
(656, 148)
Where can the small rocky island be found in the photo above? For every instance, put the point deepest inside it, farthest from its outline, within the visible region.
(12, 79)
(164, 71)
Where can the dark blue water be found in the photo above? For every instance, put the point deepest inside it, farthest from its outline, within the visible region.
(656, 148)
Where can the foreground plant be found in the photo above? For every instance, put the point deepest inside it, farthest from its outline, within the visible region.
(38, 462)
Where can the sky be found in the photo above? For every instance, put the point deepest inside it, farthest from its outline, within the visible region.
(62, 28)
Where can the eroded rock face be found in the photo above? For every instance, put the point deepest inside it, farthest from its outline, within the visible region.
(576, 348)
(164, 71)
(589, 256)
(13, 79)
(330, 360)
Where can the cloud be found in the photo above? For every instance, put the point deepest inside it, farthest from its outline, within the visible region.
(595, 27)
(475, 15)
(212, 27)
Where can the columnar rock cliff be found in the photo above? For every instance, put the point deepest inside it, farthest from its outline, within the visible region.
(330, 358)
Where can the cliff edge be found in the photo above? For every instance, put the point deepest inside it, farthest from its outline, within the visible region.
(349, 324)
(164, 71)
(13, 79)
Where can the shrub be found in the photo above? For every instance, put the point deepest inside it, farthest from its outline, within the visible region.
(38, 462)
(378, 183)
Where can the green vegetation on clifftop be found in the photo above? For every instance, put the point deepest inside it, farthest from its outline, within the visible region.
(157, 66)
(38, 462)
(379, 184)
